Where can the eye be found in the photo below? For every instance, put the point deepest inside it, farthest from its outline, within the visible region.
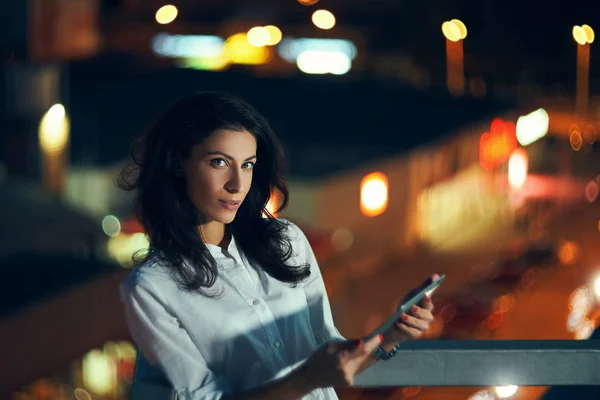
(248, 165)
(218, 162)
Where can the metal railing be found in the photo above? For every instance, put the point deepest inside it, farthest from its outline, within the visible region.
(453, 363)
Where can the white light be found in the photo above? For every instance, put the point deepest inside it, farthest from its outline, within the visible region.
(111, 225)
(188, 46)
(482, 395)
(585, 330)
(597, 287)
(532, 127)
(323, 62)
(290, 48)
(506, 391)
(517, 168)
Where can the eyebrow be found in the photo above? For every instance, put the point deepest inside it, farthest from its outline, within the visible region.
(228, 156)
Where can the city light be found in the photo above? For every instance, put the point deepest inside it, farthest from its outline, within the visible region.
(506, 391)
(275, 35)
(53, 131)
(188, 46)
(517, 168)
(240, 51)
(290, 48)
(323, 19)
(454, 30)
(308, 2)
(258, 36)
(496, 146)
(111, 225)
(532, 127)
(323, 62)
(166, 14)
(374, 194)
(583, 34)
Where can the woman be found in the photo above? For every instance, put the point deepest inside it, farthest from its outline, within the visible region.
(229, 301)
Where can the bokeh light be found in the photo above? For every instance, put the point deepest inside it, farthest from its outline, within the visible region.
(275, 35)
(591, 191)
(53, 131)
(166, 14)
(111, 225)
(506, 391)
(568, 253)
(258, 36)
(323, 19)
(308, 2)
(575, 140)
(374, 194)
(342, 239)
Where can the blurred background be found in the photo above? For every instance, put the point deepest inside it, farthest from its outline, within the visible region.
(424, 136)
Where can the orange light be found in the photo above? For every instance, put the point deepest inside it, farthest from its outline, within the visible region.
(273, 205)
(496, 146)
(374, 194)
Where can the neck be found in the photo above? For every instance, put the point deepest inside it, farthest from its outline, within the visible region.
(214, 233)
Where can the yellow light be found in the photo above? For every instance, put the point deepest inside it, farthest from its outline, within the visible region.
(53, 131)
(461, 28)
(583, 34)
(451, 31)
(374, 194)
(517, 168)
(166, 14)
(579, 35)
(323, 19)
(308, 2)
(239, 51)
(275, 35)
(99, 372)
(258, 36)
(589, 33)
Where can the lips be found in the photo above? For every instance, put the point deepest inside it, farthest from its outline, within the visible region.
(231, 205)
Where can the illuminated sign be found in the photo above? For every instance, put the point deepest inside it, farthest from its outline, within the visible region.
(496, 146)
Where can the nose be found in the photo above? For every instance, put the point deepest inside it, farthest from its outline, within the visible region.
(235, 184)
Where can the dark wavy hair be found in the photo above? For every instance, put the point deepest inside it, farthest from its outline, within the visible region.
(170, 218)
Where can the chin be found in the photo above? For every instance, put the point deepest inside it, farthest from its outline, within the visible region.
(226, 218)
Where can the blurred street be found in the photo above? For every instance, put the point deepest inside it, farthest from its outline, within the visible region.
(539, 294)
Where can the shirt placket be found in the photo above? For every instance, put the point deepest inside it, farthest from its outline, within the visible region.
(241, 280)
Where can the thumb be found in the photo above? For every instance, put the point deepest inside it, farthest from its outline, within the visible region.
(368, 346)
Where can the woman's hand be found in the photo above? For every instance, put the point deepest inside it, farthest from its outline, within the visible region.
(336, 362)
(413, 324)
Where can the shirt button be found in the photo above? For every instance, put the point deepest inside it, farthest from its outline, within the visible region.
(277, 343)
(256, 302)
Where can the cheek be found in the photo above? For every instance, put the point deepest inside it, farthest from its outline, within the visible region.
(202, 188)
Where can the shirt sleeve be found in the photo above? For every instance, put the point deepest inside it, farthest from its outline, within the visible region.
(319, 308)
(164, 343)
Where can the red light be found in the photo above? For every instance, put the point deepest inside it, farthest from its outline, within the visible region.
(496, 145)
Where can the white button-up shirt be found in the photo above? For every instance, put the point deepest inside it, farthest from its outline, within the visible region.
(259, 328)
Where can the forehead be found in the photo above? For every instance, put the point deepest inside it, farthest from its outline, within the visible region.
(239, 144)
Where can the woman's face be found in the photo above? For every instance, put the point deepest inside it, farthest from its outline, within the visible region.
(218, 173)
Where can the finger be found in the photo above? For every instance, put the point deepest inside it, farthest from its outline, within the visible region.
(410, 331)
(414, 322)
(421, 313)
(367, 348)
(426, 303)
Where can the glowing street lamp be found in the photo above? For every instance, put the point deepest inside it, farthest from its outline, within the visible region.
(455, 32)
(584, 36)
